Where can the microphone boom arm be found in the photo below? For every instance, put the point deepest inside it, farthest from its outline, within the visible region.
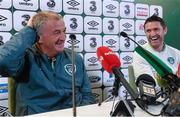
(119, 75)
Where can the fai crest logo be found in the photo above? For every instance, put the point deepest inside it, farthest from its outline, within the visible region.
(68, 69)
(171, 60)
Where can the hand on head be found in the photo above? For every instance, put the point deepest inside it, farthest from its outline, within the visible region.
(30, 24)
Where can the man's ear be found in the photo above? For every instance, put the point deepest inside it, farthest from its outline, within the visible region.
(39, 38)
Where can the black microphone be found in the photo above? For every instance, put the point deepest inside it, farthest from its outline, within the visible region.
(146, 85)
(73, 38)
(111, 64)
(126, 36)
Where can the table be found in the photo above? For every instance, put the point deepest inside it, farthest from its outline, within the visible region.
(96, 111)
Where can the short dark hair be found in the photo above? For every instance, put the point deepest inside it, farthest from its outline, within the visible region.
(154, 18)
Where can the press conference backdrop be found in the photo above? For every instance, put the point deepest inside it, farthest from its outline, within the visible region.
(95, 23)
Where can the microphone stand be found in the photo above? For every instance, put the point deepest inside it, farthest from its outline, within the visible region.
(115, 90)
(119, 75)
(73, 38)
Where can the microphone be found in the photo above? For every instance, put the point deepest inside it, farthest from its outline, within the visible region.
(126, 36)
(111, 64)
(73, 38)
(109, 61)
(107, 58)
(146, 85)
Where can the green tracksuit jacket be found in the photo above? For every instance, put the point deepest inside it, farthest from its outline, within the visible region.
(42, 87)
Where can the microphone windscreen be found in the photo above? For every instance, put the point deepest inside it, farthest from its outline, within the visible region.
(123, 34)
(72, 37)
(107, 58)
(147, 78)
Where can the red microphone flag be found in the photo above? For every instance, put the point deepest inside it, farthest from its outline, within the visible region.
(178, 73)
(107, 58)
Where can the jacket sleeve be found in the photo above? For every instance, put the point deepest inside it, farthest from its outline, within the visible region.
(88, 97)
(12, 53)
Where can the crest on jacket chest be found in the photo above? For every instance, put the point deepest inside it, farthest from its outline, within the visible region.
(68, 69)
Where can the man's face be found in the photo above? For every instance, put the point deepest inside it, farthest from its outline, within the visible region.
(52, 37)
(155, 34)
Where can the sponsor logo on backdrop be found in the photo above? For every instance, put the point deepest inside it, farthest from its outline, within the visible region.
(2, 18)
(110, 79)
(127, 43)
(142, 42)
(68, 69)
(127, 9)
(92, 60)
(111, 7)
(111, 42)
(4, 37)
(111, 25)
(74, 23)
(5, 20)
(93, 24)
(4, 112)
(156, 11)
(73, 4)
(26, 18)
(93, 43)
(73, 41)
(93, 7)
(142, 11)
(51, 3)
(94, 79)
(127, 26)
(141, 27)
(26, 3)
(3, 88)
(127, 59)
